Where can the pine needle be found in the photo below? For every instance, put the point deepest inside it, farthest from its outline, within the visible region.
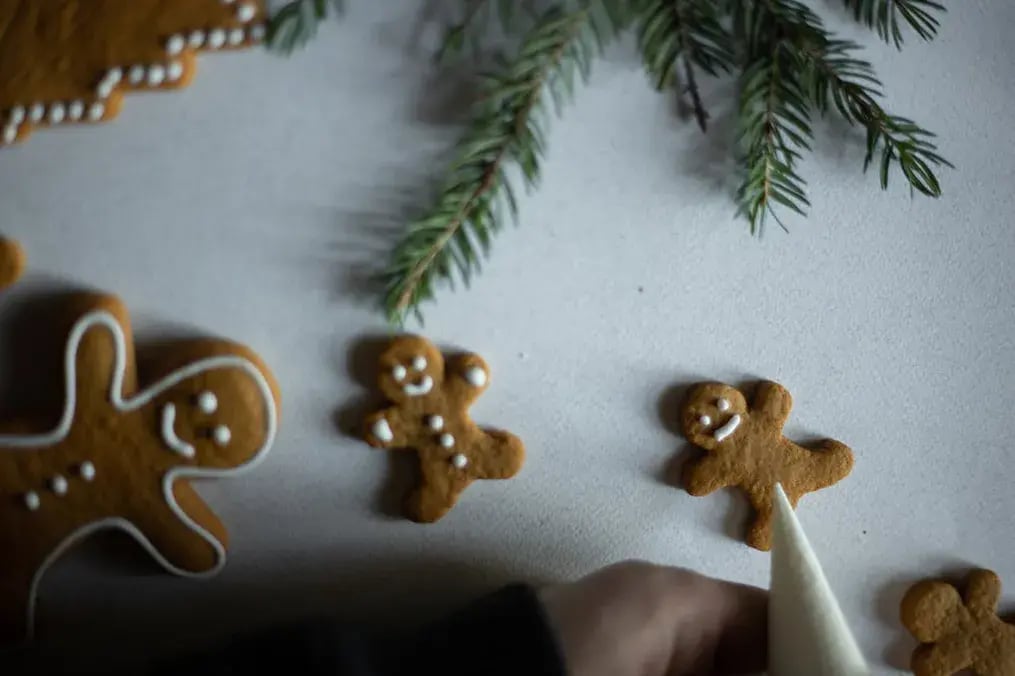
(884, 17)
(295, 24)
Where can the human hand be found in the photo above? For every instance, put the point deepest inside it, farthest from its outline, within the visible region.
(640, 619)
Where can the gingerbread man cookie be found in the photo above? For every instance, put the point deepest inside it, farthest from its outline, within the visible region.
(959, 632)
(12, 262)
(70, 61)
(746, 449)
(121, 456)
(430, 415)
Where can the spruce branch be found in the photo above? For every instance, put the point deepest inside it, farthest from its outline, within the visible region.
(884, 17)
(506, 129)
(295, 24)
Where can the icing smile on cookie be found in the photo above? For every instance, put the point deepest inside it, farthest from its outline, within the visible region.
(729, 428)
(174, 442)
(417, 389)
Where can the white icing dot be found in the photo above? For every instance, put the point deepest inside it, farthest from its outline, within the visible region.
(459, 460)
(114, 75)
(17, 115)
(104, 89)
(136, 74)
(36, 111)
(419, 363)
(175, 45)
(58, 484)
(216, 38)
(221, 435)
(398, 373)
(435, 422)
(228, 2)
(705, 420)
(236, 36)
(156, 75)
(257, 32)
(32, 501)
(87, 470)
(447, 441)
(174, 71)
(475, 376)
(246, 12)
(723, 405)
(75, 110)
(207, 402)
(57, 111)
(96, 111)
(196, 39)
(382, 430)
(10, 134)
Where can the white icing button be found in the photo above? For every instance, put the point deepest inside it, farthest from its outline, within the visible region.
(216, 38)
(75, 110)
(17, 115)
(10, 133)
(382, 430)
(114, 75)
(87, 470)
(36, 112)
(419, 363)
(447, 441)
(32, 501)
(207, 402)
(174, 71)
(57, 111)
(246, 12)
(221, 435)
(196, 39)
(96, 111)
(156, 75)
(723, 405)
(257, 32)
(435, 422)
(398, 372)
(475, 376)
(136, 74)
(236, 36)
(705, 421)
(59, 485)
(175, 45)
(459, 460)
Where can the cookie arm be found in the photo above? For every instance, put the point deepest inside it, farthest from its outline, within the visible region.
(940, 659)
(983, 591)
(465, 378)
(386, 429)
(773, 401)
(185, 549)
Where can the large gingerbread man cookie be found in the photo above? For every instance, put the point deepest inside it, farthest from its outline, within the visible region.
(121, 456)
(745, 448)
(959, 632)
(430, 415)
(71, 61)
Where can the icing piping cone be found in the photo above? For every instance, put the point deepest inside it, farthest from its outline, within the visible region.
(807, 632)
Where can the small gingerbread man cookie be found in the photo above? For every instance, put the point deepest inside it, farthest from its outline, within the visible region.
(746, 449)
(959, 632)
(430, 415)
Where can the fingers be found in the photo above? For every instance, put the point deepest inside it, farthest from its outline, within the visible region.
(742, 645)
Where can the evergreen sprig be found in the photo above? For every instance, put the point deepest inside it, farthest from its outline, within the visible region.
(295, 24)
(884, 17)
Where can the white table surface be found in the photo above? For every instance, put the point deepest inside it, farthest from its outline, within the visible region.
(251, 204)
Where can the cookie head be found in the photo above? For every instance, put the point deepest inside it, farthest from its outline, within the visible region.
(930, 610)
(219, 418)
(411, 367)
(713, 413)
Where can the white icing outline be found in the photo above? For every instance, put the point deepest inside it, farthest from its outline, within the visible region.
(59, 433)
(175, 443)
(424, 387)
(729, 428)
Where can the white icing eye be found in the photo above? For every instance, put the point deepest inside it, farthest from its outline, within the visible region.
(87, 470)
(58, 484)
(221, 435)
(419, 363)
(723, 405)
(398, 373)
(475, 376)
(705, 421)
(32, 501)
(207, 402)
(447, 441)
(459, 460)
(435, 422)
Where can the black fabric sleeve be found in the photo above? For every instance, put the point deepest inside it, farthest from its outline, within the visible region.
(504, 633)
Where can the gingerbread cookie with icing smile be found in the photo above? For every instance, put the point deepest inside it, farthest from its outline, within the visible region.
(70, 61)
(430, 415)
(121, 455)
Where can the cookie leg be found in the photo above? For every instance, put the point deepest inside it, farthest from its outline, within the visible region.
(760, 534)
(181, 545)
(942, 659)
(436, 494)
(499, 456)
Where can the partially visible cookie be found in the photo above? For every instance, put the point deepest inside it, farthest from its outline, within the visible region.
(959, 632)
(70, 61)
(12, 262)
(430, 415)
(745, 448)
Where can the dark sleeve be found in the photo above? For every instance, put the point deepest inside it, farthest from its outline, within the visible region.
(505, 633)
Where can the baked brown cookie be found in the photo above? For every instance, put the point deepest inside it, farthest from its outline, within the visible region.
(12, 262)
(959, 632)
(745, 448)
(70, 61)
(430, 415)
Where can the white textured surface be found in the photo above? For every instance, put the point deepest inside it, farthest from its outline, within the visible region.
(248, 204)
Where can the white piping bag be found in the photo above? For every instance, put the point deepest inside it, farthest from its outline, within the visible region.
(807, 632)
